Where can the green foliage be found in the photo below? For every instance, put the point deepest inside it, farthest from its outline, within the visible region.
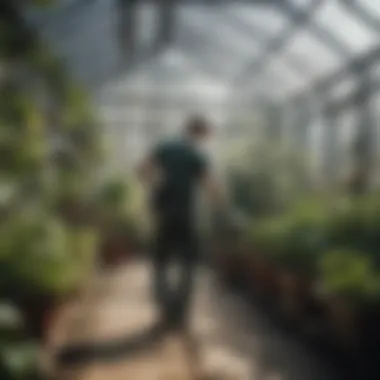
(338, 245)
(350, 273)
(294, 239)
(269, 235)
(265, 180)
(114, 193)
(18, 355)
(43, 253)
(37, 257)
(306, 238)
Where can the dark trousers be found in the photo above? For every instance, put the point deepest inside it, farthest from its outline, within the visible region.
(175, 240)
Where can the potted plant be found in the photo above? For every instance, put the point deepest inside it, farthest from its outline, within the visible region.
(349, 284)
(111, 202)
(18, 354)
(266, 242)
(226, 236)
(304, 241)
(41, 269)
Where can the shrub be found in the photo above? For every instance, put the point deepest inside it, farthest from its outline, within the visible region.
(349, 273)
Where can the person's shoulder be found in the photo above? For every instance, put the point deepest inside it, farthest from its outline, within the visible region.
(162, 145)
(175, 145)
(198, 154)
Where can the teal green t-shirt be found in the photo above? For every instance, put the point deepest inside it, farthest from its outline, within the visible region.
(182, 166)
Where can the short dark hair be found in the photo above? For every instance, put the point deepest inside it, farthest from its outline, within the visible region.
(197, 126)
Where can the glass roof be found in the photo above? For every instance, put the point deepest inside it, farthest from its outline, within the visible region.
(219, 39)
(219, 51)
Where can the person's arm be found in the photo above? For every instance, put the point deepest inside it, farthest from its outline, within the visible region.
(210, 184)
(149, 171)
(213, 189)
(146, 170)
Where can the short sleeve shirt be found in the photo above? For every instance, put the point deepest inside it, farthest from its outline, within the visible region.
(182, 167)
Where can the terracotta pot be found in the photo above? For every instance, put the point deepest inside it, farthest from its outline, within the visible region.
(116, 252)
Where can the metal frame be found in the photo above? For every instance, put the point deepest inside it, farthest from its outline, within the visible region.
(300, 18)
(358, 11)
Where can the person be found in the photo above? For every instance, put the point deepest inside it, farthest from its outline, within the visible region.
(173, 171)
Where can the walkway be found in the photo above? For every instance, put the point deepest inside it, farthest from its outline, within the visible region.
(235, 342)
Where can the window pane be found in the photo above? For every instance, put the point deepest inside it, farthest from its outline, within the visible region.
(372, 6)
(353, 33)
(146, 21)
(344, 88)
(321, 60)
(292, 80)
(265, 17)
(303, 4)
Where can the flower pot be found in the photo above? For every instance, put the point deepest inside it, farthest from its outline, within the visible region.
(38, 312)
(228, 267)
(293, 295)
(343, 321)
(252, 272)
(266, 276)
(371, 327)
(116, 252)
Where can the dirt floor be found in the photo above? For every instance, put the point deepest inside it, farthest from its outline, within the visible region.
(109, 335)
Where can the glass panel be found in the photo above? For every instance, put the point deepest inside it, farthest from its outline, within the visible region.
(375, 71)
(316, 142)
(372, 6)
(265, 17)
(320, 58)
(292, 81)
(347, 125)
(111, 114)
(269, 85)
(352, 32)
(303, 4)
(375, 109)
(213, 37)
(147, 23)
(301, 65)
(344, 88)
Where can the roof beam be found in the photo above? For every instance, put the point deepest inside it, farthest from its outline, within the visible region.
(167, 20)
(354, 65)
(357, 98)
(362, 14)
(300, 18)
(298, 64)
(277, 44)
(200, 35)
(326, 84)
(127, 27)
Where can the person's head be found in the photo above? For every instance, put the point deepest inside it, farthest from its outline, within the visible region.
(197, 129)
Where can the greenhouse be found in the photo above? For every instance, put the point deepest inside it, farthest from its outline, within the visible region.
(291, 89)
